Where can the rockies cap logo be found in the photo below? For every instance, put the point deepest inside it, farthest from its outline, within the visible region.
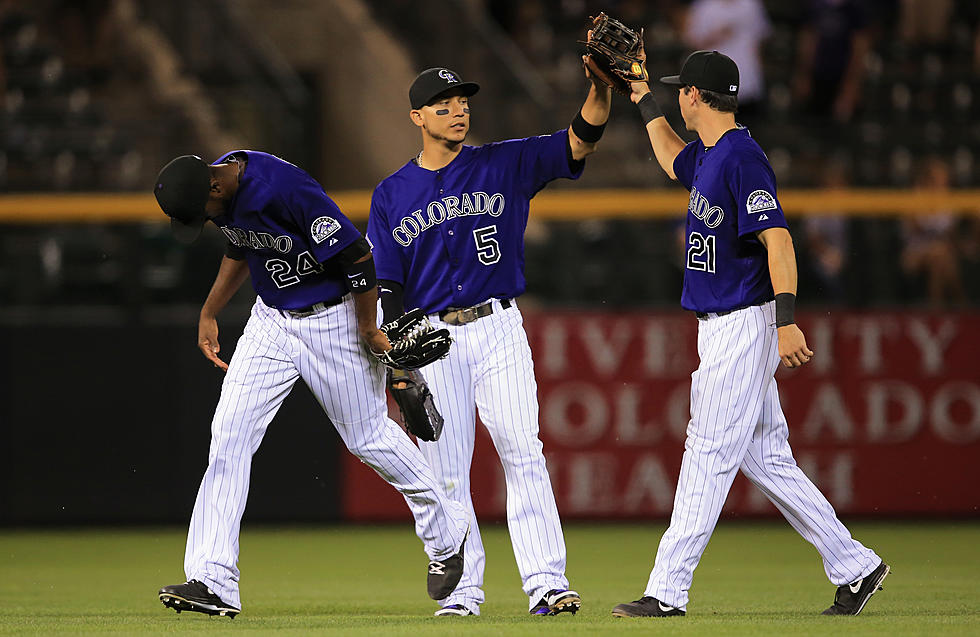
(432, 83)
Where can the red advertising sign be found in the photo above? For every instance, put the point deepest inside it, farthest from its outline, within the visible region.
(885, 418)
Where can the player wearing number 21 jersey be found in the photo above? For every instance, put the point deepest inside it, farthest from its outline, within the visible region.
(447, 230)
(732, 198)
(740, 280)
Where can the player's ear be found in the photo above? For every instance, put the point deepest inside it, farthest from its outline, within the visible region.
(416, 117)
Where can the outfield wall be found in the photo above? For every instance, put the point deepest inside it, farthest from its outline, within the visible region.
(105, 402)
(886, 418)
(110, 424)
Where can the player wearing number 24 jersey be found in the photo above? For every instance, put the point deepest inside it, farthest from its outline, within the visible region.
(447, 231)
(314, 318)
(740, 280)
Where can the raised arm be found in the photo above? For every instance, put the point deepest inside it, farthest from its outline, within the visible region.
(782, 270)
(231, 275)
(665, 142)
(587, 127)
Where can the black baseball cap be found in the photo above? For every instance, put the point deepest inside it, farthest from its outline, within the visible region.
(182, 190)
(708, 70)
(432, 83)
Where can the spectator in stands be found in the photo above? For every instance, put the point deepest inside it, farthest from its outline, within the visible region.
(833, 43)
(532, 30)
(930, 249)
(738, 29)
(83, 30)
(925, 22)
(827, 237)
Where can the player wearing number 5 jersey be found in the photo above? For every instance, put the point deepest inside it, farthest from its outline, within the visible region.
(447, 231)
(740, 280)
(314, 318)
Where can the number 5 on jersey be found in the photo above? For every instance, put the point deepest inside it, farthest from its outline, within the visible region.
(487, 248)
(701, 253)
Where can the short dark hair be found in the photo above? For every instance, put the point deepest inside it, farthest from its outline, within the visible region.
(717, 101)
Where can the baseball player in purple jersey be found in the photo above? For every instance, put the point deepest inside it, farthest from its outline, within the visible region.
(740, 280)
(447, 231)
(314, 318)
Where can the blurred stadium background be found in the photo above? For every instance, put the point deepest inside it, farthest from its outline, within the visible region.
(868, 110)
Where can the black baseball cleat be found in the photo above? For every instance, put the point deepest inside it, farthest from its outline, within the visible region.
(851, 598)
(558, 600)
(445, 574)
(195, 596)
(647, 607)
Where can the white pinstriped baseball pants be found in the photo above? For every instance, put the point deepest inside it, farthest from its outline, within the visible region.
(489, 367)
(325, 351)
(737, 423)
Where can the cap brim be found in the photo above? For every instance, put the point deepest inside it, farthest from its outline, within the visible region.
(673, 80)
(469, 88)
(187, 232)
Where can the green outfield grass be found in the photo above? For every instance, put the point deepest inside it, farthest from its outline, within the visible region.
(754, 579)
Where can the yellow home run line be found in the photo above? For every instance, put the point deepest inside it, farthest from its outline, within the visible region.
(569, 205)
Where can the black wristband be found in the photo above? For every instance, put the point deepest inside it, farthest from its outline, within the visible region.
(361, 276)
(649, 109)
(585, 131)
(785, 307)
(392, 299)
(353, 252)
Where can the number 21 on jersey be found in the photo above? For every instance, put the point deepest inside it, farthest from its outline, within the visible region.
(701, 252)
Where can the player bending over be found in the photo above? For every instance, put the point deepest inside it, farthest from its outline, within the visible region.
(315, 318)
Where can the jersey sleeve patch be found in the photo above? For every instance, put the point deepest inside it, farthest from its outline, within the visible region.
(760, 201)
(323, 228)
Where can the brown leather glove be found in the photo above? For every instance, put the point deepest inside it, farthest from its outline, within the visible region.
(615, 53)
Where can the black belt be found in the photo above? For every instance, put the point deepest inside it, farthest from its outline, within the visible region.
(303, 312)
(464, 315)
(704, 315)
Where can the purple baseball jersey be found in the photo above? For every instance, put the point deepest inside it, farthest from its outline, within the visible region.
(287, 228)
(455, 237)
(733, 196)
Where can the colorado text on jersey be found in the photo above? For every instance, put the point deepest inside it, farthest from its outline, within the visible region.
(701, 208)
(257, 240)
(477, 203)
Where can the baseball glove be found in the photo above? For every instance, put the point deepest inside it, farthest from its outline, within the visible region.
(414, 399)
(615, 53)
(414, 341)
